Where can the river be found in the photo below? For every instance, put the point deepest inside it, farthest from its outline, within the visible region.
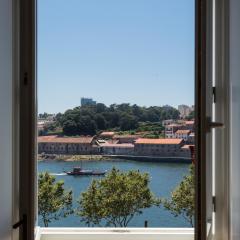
(164, 177)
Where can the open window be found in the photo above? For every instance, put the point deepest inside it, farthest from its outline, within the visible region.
(211, 112)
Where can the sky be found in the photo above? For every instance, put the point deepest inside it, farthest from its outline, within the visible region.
(115, 51)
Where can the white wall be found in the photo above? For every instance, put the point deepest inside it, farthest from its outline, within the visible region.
(235, 117)
(5, 119)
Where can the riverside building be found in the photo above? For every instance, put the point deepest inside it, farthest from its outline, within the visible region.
(117, 149)
(165, 147)
(66, 145)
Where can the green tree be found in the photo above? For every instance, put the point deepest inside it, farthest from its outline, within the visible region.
(70, 128)
(58, 118)
(128, 122)
(182, 198)
(100, 121)
(117, 116)
(54, 202)
(100, 107)
(86, 126)
(116, 199)
(191, 115)
(43, 115)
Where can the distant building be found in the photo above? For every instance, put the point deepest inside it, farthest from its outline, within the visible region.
(164, 147)
(41, 123)
(191, 138)
(184, 134)
(186, 151)
(189, 125)
(184, 110)
(66, 145)
(87, 101)
(171, 129)
(107, 135)
(126, 138)
(117, 149)
(167, 122)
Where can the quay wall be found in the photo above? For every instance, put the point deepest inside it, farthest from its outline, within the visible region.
(174, 159)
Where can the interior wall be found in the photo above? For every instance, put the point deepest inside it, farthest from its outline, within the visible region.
(6, 140)
(235, 118)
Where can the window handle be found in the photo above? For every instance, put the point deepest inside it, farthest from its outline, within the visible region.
(23, 223)
(211, 125)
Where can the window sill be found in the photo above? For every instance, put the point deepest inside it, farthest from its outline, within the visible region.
(115, 233)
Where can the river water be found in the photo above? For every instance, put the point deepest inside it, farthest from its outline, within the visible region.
(164, 177)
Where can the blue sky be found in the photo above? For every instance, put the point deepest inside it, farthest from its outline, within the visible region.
(115, 51)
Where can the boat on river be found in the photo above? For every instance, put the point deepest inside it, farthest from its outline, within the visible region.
(78, 171)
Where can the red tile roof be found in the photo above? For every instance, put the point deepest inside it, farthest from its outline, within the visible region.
(183, 131)
(189, 122)
(107, 134)
(173, 125)
(158, 141)
(56, 139)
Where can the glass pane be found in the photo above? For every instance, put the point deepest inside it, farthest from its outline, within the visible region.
(116, 113)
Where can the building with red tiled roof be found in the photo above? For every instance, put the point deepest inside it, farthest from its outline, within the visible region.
(107, 135)
(66, 145)
(56, 139)
(191, 138)
(186, 151)
(182, 133)
(164, 141)
(165, 147)
(189, 125)
(117, 149)
(126, 138)
(171, 129)
(189, 122)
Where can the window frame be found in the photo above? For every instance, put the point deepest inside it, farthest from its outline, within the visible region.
(28, 115)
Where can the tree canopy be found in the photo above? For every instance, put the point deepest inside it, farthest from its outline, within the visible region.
(54, 202)
(191, 115)
(182, 198)
(87, 120)
(115, 199)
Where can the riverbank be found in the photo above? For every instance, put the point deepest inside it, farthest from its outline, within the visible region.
(72, 158)
(153, 158)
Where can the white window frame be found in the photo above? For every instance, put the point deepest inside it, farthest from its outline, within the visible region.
(115, 234)
(28, 144)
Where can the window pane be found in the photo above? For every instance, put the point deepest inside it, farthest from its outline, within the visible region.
(116, 113)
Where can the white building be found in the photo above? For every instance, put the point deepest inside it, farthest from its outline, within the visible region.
(191, 138)
(167, 122)
(117, 149)
(171, 129)
(183, 134)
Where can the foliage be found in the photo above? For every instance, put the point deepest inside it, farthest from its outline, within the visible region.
(191, 115)
(152, 135)
(100, 121)
(149, 126)
(182, 199)
(53, 201)
(86, 120)
(44, 115)
(70, 128)
(116, 199)
(128, 122)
